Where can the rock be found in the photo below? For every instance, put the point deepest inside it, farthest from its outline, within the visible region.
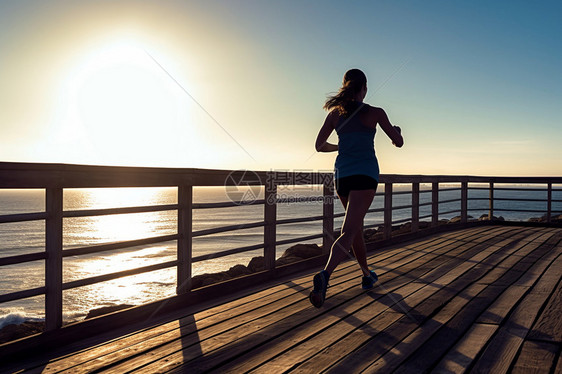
(404, 229)
(215, 278)
(238, 271)
(367, 233)
(106, 310)
(256, 264)
(457, 219)
(207, 279)
(303, 251)
(287, 260)
(484, 217)
(21, 330)
(553, 219)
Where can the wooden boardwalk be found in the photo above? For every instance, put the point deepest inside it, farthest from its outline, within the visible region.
(486, 299)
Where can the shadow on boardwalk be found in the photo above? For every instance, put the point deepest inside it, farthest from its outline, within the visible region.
(484, 299)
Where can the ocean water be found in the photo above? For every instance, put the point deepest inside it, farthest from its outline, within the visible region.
(29, 237)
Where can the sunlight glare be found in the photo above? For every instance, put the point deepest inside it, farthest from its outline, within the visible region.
(124, 226)
(123, 105)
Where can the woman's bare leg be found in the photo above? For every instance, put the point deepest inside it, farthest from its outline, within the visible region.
(358, 202)
(360, 251)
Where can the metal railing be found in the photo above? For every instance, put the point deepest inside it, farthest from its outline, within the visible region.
(55, 178)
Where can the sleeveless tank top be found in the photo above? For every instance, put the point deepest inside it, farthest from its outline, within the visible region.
(356, 149)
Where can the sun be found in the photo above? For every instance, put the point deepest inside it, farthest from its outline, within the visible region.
(122, 107)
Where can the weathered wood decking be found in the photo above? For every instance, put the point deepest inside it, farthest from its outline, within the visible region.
(483, 299)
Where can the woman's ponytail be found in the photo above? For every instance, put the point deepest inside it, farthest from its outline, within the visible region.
(344, 101)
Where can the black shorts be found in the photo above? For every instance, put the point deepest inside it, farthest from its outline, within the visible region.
(355, 182)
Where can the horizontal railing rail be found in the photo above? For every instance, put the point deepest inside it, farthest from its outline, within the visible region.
(428, 202)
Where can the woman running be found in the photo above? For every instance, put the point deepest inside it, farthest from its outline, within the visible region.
(356, 171)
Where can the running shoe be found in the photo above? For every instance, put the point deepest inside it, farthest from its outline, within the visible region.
(318, 294)
(368, 282)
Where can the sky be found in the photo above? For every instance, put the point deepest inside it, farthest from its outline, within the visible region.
(476, 86)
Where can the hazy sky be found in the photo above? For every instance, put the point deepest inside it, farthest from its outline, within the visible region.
(475, 85)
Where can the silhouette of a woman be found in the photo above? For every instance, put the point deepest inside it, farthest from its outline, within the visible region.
(356, 171)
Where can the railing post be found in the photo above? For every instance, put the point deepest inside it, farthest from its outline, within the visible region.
(415, 206)
(185, 241)
(464, 202)
(491, 201)
(53, 264)
(328, 214)
(270, 225)
(387, 210)
(549, 202)
(434, 203)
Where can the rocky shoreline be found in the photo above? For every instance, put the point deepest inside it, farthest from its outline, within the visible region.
(295, 253)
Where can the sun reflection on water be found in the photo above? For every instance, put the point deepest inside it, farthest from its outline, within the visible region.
(86, 231)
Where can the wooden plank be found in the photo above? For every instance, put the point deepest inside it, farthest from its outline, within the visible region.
(346, 320)
(524, 247)
(464, 202)
(535, 357)
(348, 345)
(118, 245)
(364, 355)
(415, 206)
(461, 355)
(497, 312)
(500, 353)
(30, 175)
(327, 357)
(264, 296)
(18, 295)
(53, 264)
(548, 326)
(185, 241)
(406, 255)
(270, 226)
(530, 277)
(236, 347)
(18, 259)
(387, 210)
(112, 211)
(395, 356)
(428, 355)
(558, 369)
(363, 324)
(434, 204)
(430, 352)
(224, 312)
(519, 268)
(328, 216)
(503, 305)
(118, 274)
(491, 201)
(427, 242)
(298, 334)
(22, 217)
(265, 327)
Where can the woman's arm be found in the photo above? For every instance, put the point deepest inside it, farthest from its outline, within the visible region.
(322, 144)
(393, 132)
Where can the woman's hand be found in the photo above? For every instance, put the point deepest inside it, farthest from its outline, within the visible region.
(393, 132)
